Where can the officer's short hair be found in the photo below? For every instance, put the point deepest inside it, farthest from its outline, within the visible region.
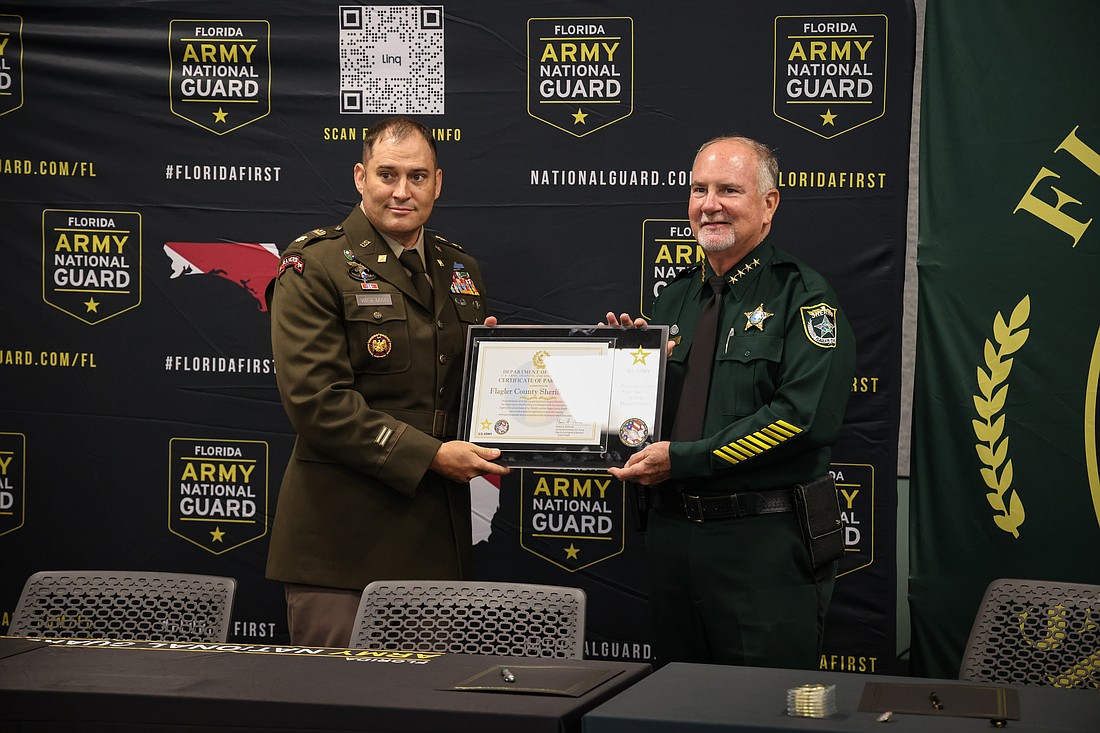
(767, 172)
(397, 128)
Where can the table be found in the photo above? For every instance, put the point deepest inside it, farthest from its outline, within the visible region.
(702, 697)
(97, 685)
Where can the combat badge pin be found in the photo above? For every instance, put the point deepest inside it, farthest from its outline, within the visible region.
(360, 273)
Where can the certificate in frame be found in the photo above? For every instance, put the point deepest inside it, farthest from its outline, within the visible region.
(563, 396)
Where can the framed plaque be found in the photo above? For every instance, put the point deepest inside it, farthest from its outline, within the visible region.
(563, 396)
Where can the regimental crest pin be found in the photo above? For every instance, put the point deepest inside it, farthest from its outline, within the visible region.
(819, 322)
(379, 345)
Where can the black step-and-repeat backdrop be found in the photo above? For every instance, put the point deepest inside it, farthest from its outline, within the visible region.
(155, 157)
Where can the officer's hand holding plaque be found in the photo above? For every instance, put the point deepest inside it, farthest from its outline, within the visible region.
(563, 396)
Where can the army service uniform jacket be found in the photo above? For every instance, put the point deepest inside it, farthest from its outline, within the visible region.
(371, 382)
(784, 362)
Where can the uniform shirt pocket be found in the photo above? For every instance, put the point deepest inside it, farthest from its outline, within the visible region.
(470, 309)
(378, 332)
(745, 369)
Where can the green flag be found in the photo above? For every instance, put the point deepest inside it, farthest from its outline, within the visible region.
(1004, 461)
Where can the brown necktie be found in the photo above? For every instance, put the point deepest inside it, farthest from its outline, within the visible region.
(410, 260)
(692, 407)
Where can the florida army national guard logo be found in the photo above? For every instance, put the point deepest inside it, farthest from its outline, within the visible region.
(11, 63)
(217, 492)
(580, 72)
(855, 490)
(91, 262)
(571, 519)
(220, 77)
(13, 481)
(830, 71)
(819, 322)
(668, 247)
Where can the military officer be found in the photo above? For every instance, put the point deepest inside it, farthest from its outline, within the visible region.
(368, 348)
(752, 412)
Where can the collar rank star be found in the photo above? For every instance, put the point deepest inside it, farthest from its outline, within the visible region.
(755, 318)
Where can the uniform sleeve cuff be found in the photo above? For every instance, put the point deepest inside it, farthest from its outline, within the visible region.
(689, 459)
(407, 463)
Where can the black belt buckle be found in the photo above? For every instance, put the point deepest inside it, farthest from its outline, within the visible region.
(728, 506)
(690, 501)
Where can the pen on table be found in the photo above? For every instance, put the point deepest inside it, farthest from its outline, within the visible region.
(935, 701)
(507, 674)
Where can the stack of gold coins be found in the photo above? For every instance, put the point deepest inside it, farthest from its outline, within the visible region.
(811, 701)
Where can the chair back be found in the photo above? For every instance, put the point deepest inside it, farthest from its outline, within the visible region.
(142, 606)
(471, 617)
(1035, 632)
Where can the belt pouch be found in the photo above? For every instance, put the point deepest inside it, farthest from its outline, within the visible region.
(819, 517)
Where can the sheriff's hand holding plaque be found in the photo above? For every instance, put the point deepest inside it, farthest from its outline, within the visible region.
(563, 396)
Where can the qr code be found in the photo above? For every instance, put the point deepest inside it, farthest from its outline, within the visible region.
(391, 59)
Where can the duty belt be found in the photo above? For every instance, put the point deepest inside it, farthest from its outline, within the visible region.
(701, 507)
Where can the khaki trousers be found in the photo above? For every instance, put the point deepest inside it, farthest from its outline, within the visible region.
(319, 616)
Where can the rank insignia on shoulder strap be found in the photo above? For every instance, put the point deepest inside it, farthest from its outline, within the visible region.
(319, 233)
(819, 322)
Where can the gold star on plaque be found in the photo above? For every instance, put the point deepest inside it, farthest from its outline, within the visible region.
(828, 117)
(571, 552)
(217, 534)
(220, 115)
(92, 305)
(486, 424)
(639, 355)
(755, 318)
(579, 116)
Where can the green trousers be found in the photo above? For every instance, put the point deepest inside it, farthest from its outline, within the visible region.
(736, 591)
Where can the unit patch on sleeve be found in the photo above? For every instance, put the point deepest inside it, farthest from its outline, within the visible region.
(819, 322)
(295, 262)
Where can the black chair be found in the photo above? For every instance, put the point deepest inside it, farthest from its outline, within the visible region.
(471, 617)
(110, 604)
(1035, 632)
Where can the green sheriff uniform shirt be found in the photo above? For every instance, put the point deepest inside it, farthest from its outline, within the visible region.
(371, 381)
(783, 368)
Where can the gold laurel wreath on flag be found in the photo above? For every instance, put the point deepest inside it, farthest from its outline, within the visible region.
(993, 446)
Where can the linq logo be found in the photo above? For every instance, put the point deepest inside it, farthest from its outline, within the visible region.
(13, 481)
(11, 63)
(249, 265)
(91, 262)
(580, 72)
(830, 71)
(571, 519)
(217, 492)
(220, 76)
